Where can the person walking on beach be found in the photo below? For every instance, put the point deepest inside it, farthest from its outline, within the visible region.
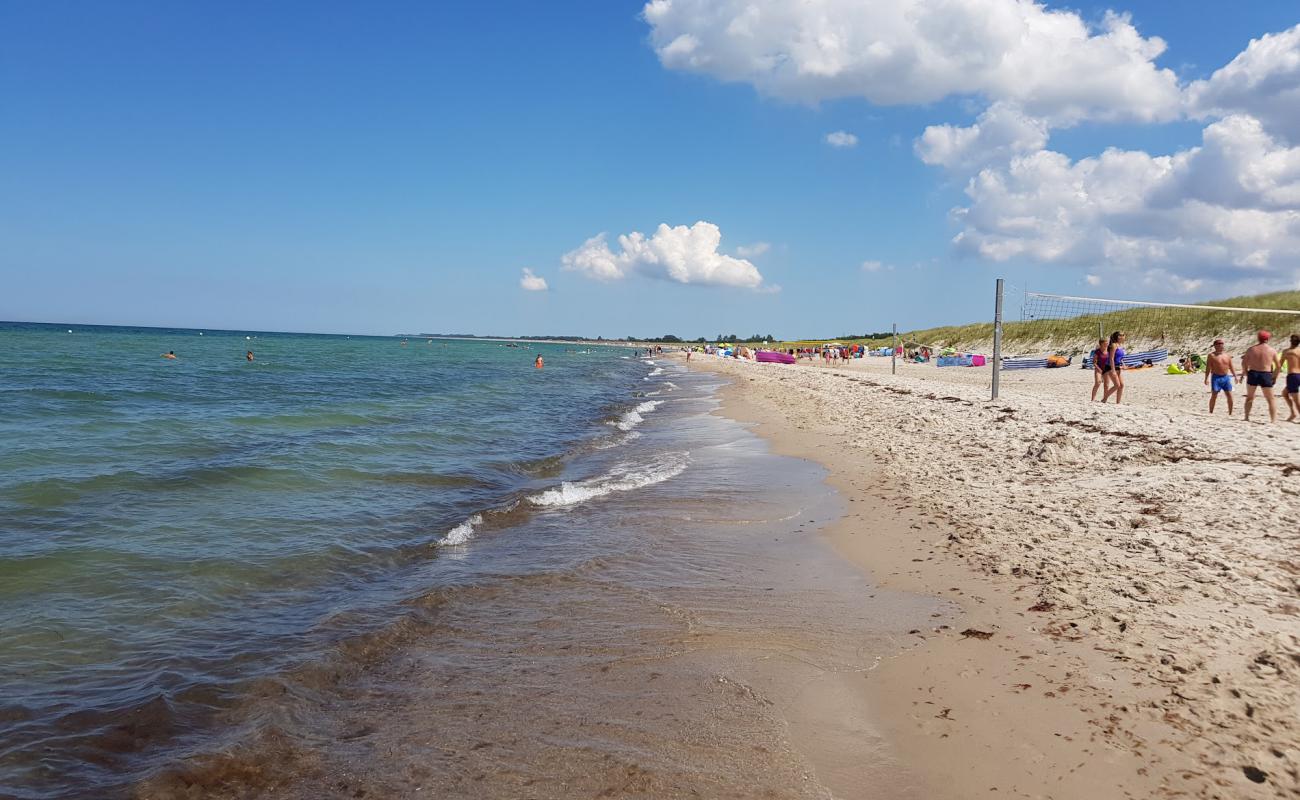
(1291, 358)
(1218, 375)
(1261, 365)
(1116, 348)
(1100, 366)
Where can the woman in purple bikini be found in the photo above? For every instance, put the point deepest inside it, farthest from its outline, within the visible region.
(1116, 373)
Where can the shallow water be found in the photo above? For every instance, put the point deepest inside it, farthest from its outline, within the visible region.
(354, 568)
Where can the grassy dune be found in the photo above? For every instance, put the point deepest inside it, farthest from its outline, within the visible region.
(1180, 329)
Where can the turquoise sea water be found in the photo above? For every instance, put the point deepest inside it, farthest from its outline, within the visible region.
(170, 529)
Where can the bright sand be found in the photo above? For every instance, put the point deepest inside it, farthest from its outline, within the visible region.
(1130, 575)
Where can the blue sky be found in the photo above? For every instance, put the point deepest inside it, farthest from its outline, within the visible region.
(395, 166)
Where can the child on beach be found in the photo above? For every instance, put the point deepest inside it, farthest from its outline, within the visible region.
(1218, 375)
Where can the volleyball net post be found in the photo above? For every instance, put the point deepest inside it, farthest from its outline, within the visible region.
(997, 338)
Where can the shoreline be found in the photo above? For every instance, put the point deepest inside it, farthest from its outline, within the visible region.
(1053, 702)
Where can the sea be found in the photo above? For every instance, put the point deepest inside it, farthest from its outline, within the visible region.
(383, 567)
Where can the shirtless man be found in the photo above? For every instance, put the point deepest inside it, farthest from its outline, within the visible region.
(1219, 372)
(170, 354)
(1260, 365)
(1291, 357)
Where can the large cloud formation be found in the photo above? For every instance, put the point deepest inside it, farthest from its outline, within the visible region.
(1226, 211)
(1223, 214)
(679, 254)
(917, 51)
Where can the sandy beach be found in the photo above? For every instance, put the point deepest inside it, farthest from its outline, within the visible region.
(1128, 575)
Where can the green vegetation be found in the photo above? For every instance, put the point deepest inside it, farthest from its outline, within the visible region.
(1180, 329)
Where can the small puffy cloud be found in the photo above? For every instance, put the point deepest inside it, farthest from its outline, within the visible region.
(1224, 213)
(679, 254)
(876, 266)
(1262, 81)
(1092, 280)
(1049, 62)
(752, 250)
(841, 139)
(1002, 132)
(532, 283)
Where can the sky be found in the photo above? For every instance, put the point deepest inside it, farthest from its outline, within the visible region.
(799, 167)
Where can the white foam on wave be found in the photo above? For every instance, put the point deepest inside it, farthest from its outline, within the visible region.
(656, 371)
(633, 418)
(617, 441)
(622, 478)
(462, 532)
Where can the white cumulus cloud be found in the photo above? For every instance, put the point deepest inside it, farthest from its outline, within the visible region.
(876, 266)
(841, 139)
(679, 254)
(1263, 81)
(531, 282)
(1002, 132)
(1051, 63)
(1226, 212)
(752, 250)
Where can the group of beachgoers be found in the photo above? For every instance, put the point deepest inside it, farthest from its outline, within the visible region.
(1261, 366)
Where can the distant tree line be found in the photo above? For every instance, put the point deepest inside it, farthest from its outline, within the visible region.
(883, 335)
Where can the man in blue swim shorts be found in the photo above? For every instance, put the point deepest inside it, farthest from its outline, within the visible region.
(1261, 366)
(1218, 375)
(1291, 360)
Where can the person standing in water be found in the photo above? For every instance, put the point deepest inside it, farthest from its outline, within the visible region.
(1218, 375)
(1260, 365)
(249, 355)
(1291, 358)
(538, 364)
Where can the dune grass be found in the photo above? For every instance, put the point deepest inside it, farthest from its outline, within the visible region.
(1180, 329)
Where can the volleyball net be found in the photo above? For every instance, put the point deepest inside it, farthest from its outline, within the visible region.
(1065, 319)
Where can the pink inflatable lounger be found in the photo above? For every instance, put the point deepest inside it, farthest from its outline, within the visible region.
(775, 358)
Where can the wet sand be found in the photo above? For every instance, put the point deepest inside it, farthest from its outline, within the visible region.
(1128, 577)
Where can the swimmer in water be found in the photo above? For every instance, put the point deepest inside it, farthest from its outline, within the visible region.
(249, 355)
(169, 354)
(539, 361)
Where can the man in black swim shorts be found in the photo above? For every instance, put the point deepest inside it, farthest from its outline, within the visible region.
(1261, 366)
